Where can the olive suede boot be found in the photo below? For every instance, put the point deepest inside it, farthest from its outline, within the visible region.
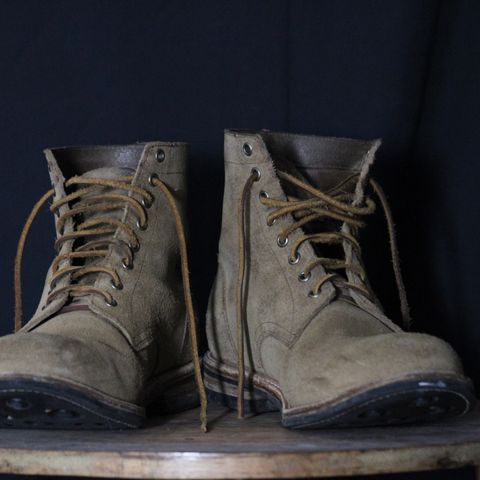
(292, 323)
(114, 331)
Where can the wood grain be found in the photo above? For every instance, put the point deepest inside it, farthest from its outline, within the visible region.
(258, 447)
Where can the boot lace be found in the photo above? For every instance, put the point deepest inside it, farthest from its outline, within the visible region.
(335, 204)
(88, 199)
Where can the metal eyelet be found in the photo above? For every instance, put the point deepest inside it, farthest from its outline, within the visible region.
(271, 222)
(151, 178)
(263, 194)
(111, 303)
(160, 155)
(118, 286)
(148, 203)
(304, 278)
(142, 227)
(313, 295)
(282, 242)
(247, 149)
(294, 261)
(134, 248)
(126, 264)
(255, 171)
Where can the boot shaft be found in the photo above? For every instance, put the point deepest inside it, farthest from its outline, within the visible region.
(148, 303)
(277, 300)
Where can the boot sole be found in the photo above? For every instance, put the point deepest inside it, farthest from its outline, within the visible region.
(409, 400)
(28, 402)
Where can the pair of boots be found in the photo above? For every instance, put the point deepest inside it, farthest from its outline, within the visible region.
(292, 322)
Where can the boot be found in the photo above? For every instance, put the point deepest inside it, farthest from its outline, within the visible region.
(292, 324)
(114, 330)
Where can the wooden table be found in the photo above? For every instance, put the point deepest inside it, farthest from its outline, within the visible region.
(258, 447)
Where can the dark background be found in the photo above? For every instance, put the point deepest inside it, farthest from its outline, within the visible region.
(88, 72)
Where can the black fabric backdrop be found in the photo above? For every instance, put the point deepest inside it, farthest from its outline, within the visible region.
(104, 71)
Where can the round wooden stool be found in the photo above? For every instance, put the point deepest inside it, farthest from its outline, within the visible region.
(258, 447)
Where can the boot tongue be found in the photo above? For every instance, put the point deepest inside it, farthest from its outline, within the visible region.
(325, 176)
(104, 173)
(109, 173)
(327, 173)
(324, 181)
(323, 162)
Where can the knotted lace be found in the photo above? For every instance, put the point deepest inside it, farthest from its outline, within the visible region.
(338, 205)
(97, 235)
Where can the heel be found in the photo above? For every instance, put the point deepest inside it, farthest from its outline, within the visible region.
(222, 389)
(174, 396)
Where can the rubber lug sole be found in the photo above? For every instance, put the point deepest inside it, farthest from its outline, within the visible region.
(33, 404)
(407, 401)
(30, 403)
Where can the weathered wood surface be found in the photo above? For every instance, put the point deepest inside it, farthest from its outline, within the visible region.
(173, 447)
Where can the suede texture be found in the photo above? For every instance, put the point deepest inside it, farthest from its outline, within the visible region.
(316, 349)
(116, 350)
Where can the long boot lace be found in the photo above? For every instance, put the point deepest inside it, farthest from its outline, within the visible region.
(336, 204)
(87, 199)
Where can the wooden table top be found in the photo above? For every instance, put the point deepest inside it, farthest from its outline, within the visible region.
(257, 447)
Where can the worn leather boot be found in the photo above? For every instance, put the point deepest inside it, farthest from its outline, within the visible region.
(114, 331)
(291, 291)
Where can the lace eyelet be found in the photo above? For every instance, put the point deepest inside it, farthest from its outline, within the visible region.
(126, 264)
(282, 242)
(148, 203)
(304, 278)
(111, 303)
(313, 295)
(294, 261)
(271, 222)
(116, 286)
(160, 155)
(134, 248)
(257, 173)
(152, 178)
(263, 194)
(247, 149)
(142, 227)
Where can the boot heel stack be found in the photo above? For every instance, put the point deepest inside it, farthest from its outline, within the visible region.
(180, 396)
(221, 384)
